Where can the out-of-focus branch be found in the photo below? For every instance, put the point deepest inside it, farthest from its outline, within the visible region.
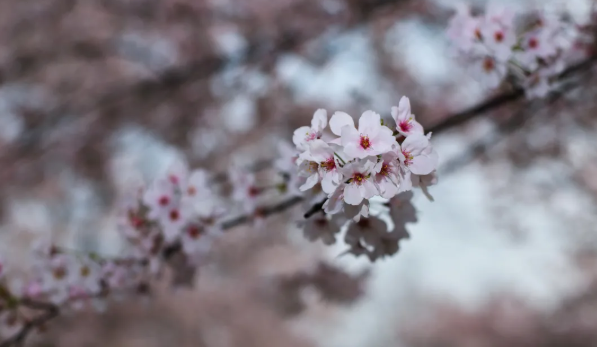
(50, 311)
(502, 99)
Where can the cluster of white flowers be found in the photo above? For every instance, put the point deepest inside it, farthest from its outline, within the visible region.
(353, 165)
(498, 44)
(181, 213)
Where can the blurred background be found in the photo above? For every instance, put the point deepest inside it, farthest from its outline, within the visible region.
(98, 94)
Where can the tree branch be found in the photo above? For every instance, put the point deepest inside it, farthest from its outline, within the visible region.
(50, 311)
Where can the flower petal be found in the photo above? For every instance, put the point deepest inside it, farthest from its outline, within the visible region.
(320, 120)
(352, 194)
(310, 183)
(339, 120)
(370, 124)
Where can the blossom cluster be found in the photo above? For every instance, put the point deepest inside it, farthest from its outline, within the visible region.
(356, 165)
(172, 222)
(531, 50)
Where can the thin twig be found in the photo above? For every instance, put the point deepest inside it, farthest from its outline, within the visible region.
(50, 312)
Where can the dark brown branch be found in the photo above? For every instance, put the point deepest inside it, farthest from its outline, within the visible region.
(50, 312)
(501, 100)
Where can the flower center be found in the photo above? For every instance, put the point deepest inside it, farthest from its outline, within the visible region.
(405, 125)
(253, 191)
(194, 231)
(533, 43)
(85, 271)
(191, 190)
(488, 64)
(365, 143)
(385, 170)
(499, 36)
(310, 136)
(408, 158)
(174, 215)
(59, 273)
(358, 178)
(164, 200)
(329, 164)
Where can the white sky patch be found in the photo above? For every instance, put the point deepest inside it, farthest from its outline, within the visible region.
(229, 41)
(350, 70)
(421, 49)
(238, 115)
(139, 154)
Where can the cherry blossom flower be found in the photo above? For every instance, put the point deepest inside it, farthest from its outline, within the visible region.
(417, 155)
(309, 170)
(536, 45)
(486, 69)
(244, 189)
(197, 238)
(360, 183)
(173, 220)
(389, 175)
(328, 164)
(405, 120)
(370, 139)
(178, 173)
(303, 135)
(499, 39)
(87, 276)
(159, 198)
(197, 185)
(56, 277)
(464, 29)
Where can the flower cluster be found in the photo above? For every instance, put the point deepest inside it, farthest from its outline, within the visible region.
(355, 164)
(532, 51)
(172, 222)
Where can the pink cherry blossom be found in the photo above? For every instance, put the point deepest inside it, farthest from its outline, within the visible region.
(173, 220)
(56, 277)
(498, 39)
(487, 70)
(388, 177)
(244, 189)
(464, 29)
(197, 186)
(303, 135)
(360, 183)
(417, 155)
(370, 139)
(159, 198)
(328, 164)
(178, 172)
(87, 276)
(405, 120)
(197, 238)
(310, 171)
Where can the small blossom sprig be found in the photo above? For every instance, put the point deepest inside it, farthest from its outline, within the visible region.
(533, 53)
(355, 165)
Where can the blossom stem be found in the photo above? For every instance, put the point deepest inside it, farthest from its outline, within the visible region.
(338, 156)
